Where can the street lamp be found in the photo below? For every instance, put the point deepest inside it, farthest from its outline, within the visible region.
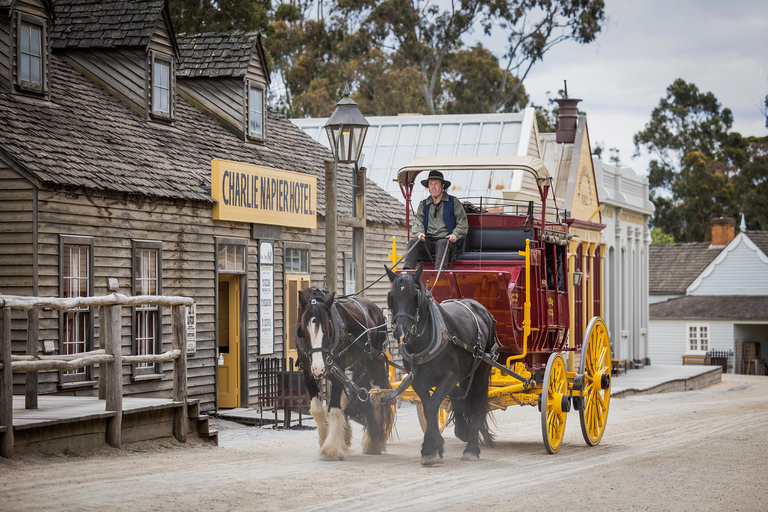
(346, 129)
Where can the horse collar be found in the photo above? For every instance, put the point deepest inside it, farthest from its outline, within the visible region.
(438, 339)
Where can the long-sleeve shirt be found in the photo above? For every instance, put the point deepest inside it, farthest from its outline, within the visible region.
(436, 227)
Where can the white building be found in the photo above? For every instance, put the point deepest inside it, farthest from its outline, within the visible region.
(709, 297)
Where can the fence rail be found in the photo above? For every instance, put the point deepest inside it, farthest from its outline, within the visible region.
(109, 357)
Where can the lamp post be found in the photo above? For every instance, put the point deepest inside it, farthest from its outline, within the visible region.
(346, 129)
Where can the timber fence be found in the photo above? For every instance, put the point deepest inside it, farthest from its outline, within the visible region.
(109, 357)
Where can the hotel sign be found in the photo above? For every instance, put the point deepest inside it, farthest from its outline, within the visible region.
(262, 195)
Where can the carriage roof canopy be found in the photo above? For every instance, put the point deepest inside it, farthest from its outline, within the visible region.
(407, 175)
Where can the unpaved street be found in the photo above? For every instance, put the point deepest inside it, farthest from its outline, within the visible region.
(697, 450)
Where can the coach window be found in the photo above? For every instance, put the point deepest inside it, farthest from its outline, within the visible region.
(148, 318)
(76, 324)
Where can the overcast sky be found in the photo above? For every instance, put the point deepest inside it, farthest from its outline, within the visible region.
(721, 46)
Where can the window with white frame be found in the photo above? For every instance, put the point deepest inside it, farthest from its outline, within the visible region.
(698, 337)
(296, 260)
(231, 258)
(76, 279)
(255, 110)
(162, 92)
(147, 280)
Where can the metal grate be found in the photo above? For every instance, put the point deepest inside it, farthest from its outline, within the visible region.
(722, 358)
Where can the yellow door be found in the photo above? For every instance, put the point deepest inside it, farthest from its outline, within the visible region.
(229, 341)
(293, 283)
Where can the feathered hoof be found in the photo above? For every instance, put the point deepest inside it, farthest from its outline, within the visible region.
(470, 456)
(431, 459)
(371, 447)
(332, 454)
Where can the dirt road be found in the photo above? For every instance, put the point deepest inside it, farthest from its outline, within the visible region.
(697, 450)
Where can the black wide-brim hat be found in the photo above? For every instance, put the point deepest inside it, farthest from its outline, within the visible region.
(435, 175)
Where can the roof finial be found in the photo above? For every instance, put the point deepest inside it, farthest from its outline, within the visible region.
(743, 225)
(565, 88)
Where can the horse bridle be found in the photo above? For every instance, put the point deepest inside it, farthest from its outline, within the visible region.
(414, 318)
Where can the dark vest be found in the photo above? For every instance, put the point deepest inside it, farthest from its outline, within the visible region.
(448, 216)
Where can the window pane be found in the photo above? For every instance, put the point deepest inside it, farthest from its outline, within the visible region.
(34, 64)
(24, 43)
(24, 65)
(34, 41)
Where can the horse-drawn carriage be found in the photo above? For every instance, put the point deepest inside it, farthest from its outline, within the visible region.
(487, 332)
(514, 262)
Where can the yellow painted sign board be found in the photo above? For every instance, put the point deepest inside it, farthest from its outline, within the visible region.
(262, 195)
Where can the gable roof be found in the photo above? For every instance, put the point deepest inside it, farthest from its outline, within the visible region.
(673, 267)
(394, 141)
(218, 54)
(708, 307)
(104, 23)
(84, 137)
(760, 239)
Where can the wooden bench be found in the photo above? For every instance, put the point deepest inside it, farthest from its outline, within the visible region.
(617, 365)
(694, 359)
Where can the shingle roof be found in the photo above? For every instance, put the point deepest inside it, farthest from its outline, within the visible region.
(215, 54)
(104, 23)
(760, 239)
(709, 307)
(4, 4)
(673, 267)
(88, 138)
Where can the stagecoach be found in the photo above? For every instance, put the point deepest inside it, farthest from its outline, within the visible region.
(514, 261)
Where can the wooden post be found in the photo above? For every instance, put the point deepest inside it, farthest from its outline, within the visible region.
(102, 367)
(33, 328)
(113, 374)
(330, 225)
(361, 258)
(179, 340)
(6, 384)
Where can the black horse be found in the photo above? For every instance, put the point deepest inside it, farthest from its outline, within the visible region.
(439, 344)
(334, 336)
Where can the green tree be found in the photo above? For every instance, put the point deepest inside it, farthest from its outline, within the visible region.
(694, 154)
(193, 16)
(533, 27)
(751, 185)
(473, 82)
(660, 237)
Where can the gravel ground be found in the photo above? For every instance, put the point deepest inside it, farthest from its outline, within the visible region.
(695, 450)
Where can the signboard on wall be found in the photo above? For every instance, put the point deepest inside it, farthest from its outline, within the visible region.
(262, 195)
(266, 298)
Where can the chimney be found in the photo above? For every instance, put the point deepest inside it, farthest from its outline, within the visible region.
(567, 119)
(723, 230)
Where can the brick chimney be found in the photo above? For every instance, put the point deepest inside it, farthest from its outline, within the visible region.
(567, 119)
(723, 230)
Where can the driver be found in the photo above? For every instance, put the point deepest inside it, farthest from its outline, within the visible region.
(440, 224)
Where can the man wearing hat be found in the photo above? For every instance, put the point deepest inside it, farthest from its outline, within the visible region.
(440, 224)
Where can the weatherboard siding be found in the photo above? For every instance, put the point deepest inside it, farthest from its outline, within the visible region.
(121, 71)
(668, 339)
(5, 53)
(741, 272)
(220, 97)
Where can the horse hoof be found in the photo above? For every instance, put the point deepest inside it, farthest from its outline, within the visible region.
(331, 458)
(470, 456)
(431, 459)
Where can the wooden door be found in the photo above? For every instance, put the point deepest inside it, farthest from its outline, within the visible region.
(293, 283)
(229, 341)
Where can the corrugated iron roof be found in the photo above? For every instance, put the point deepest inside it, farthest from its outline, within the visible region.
(393, 141)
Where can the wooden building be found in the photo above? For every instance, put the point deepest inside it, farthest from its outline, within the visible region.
(111, 129)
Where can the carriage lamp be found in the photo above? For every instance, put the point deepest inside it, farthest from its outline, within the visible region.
(577, 274)
(346, 129)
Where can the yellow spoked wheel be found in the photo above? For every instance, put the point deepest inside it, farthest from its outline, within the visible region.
(596, 368)
(442, 415)
(554, 403)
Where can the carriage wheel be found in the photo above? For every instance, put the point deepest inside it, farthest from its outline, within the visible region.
(596, 368)
(554, 403)
(442, 415)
